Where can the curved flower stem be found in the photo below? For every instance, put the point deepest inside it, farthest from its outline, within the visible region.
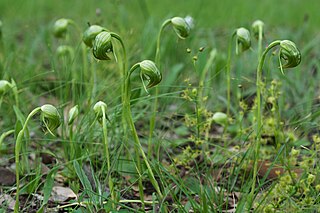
(17, 155)
(138, 147)
(124, 59)
(106, 147)
(155, 103)
(4, 135)
(15, 92)
(259, 117)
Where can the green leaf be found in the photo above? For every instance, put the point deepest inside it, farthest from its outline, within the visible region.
(47, 188)
(20, 121)
(84, 181)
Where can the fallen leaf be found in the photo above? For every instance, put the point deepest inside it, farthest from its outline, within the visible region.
(62, 194)
(7, 177)
(6, 201)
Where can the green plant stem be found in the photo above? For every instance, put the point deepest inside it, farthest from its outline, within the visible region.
(201, 95)
(128, 116)
(4, 135)
(93, 81)
(71, 143)
(124, 55)
(205, 70)
(135, 134)
(259, 118)
(260, 42)
(228, 73)
(155, 103)
(15, 92)
(106, 147)
(123, 75)
(17, 155)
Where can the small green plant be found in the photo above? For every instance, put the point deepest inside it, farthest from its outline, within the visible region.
(149, 71)
(101, 42)
(182, 27)
(102, 47)
(243, 43)
(289, 53)
(258, 33)
(50, 118)
(100, 109)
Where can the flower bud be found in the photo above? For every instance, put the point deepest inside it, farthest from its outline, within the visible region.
(150, 71)
(181, 27)
(220, 118)
(64, 50)
(257, 26)
(243, 41)
(73, 114)
(60, 27)
(102, 46)
(4, 86)
(290, 53)
(50, 117)
(190, 21)
(97, 108)
(90, 34)
(311, 178)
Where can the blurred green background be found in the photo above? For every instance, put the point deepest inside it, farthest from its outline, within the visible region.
(30, 45)
(207, 13)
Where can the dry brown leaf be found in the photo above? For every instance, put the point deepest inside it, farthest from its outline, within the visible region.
(7, 177)
(8, 201)
(62, 194)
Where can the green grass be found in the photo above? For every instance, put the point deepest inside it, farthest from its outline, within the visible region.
(191, 161)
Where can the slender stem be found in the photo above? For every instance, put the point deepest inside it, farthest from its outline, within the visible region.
(106, 147)
(123, 75)
(155, 103)
(229, 77)
(201, 95)
(15, 92)
(260, 42)
(5, 134)
(124, 59)
(17, 155)
(205, 70)
(71, 143)
(128, 116)
(258, 117)
(135, 134)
